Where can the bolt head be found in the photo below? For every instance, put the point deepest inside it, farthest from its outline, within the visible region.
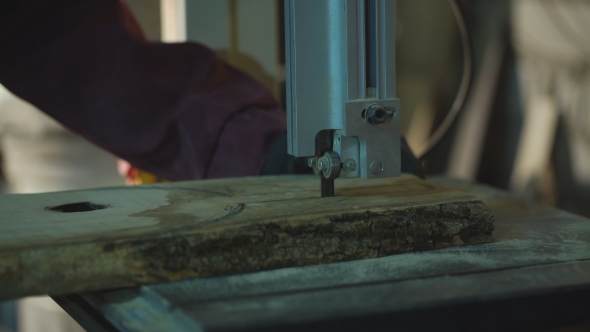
(349, 165)
(376, 114)
(376, 167)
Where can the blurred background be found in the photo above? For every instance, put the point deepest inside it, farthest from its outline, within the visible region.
(525, 126)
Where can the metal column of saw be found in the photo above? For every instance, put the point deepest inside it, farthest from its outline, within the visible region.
(341, 77)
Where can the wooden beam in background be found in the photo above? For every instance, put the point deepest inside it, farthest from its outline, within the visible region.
(173, 20)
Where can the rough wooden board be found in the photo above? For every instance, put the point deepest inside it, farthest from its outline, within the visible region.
(219, 227)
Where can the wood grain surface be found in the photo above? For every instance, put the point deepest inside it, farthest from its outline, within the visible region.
(157, 233)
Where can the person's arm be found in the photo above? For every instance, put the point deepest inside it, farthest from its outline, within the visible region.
(175, 110)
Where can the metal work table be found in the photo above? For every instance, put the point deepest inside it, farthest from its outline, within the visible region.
(536, 276)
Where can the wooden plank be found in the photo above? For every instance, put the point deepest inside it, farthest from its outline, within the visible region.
(174, 231)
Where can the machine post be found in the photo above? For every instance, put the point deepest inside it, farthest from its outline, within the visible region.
(340, 59)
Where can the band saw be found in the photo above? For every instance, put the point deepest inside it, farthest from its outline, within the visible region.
(342, 110)
(266, 253)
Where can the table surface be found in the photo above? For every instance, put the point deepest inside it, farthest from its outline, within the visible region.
(536, 276)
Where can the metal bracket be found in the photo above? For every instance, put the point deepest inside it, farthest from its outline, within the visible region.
(379, 143)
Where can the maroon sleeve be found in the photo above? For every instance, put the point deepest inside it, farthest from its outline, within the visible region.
(176, 110)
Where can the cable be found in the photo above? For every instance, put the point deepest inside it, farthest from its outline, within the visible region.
(464, 87)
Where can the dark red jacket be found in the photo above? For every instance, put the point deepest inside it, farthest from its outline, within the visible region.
(175, 110)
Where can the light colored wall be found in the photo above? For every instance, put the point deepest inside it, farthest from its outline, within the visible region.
(243, 32)
(258, 32)
(147, 13)
(207, 22)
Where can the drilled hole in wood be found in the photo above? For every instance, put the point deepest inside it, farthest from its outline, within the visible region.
(77, 207)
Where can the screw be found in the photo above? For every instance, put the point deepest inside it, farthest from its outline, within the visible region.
(376, 167)
(349, 165)
(376, 114)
